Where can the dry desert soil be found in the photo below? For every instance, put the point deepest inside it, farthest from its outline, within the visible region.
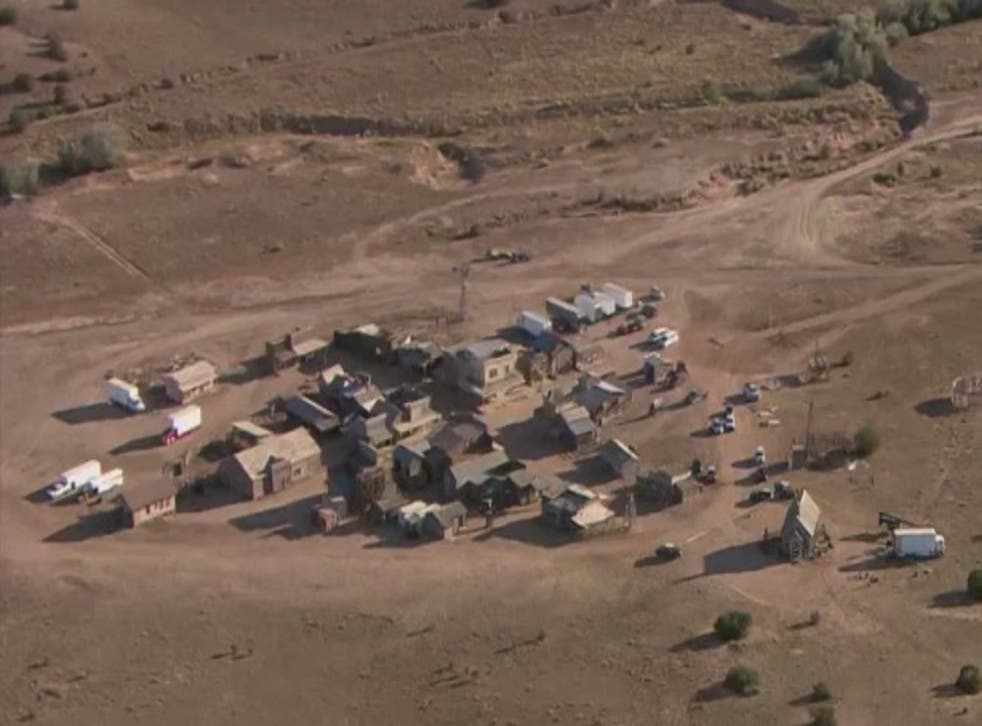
(329, 163)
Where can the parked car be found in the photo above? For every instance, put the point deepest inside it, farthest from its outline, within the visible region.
(649, 311)
(760, 495)
(663, 337)
(668, 551)
(631, 325)
(751, 392)
(783, 490)
(694, 396)
(760, 458)
(656, 293)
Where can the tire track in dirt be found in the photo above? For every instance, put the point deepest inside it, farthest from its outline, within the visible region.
(97, 242)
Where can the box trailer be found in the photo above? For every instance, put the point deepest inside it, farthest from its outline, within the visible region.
(534, 325)
(594, 306)
(125, 395)
(106, 482)
(622, 297)
(918, 542)
(181, 423)
(563, 313)
(74, 480)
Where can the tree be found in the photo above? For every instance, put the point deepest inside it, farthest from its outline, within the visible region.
(742, 680)
(822, 716)
(23, 82)
(867, 440)
(8, 15)
(821, 692)
(969, 679)
(19, 178)
(975, 584)
(732, 625)
(99, 148)
(18, 120)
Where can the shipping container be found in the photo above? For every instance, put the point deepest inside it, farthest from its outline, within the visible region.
(918, 542)
(533, 324)
(622, 297)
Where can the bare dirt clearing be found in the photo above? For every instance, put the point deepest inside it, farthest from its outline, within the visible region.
(631, 141)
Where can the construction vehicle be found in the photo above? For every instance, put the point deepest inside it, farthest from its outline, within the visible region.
(892, 521)
(649, 311)
(694, 396)
(783, 490)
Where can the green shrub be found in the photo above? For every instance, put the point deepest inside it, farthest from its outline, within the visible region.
(867, 441)
(849, 49)
(896, 32)
(821, 692)
(975, 584)
(822, 716)
(99, 148)
(23, 83)
(8, 16)
(732, 625)
(56, 48)
(62, 75)
(18, 120)
(19, 178)
(969, 680)
(742, 680)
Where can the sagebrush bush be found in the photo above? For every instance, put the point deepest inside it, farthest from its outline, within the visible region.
(56, 48)
(18, 120)
(23, 83)
(732, 625)
(867, 441)
(19, 178)
(823, 716)
(99, 148)
(8, 15)
(821, 692)
(742, 680)
(969, 679)
(975, 584)
(60, 93)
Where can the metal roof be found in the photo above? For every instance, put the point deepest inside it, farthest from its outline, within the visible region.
(143, 495)
(311, 345)
(591, 514)
(311, 413)
(805, 513)
(477, 469)
(446, 514)
(487, 348)
(194, 375)
(454, 438)
(251, 429)
(293, 446)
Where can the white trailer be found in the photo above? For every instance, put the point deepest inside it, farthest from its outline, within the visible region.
(125, 395)
(534, 325)
(594, 306)
(622, 297)
(106, 482)
(917, 542)
(566, 315)
(74, 480)
(181, 423)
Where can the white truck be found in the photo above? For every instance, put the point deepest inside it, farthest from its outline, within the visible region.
(534, 325)
(125, 395)
(73, 481)
(181, 423)
(622, 297)
(106, 482)
(917, 543)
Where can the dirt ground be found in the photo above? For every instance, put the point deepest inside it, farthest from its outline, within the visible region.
(598, 153)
